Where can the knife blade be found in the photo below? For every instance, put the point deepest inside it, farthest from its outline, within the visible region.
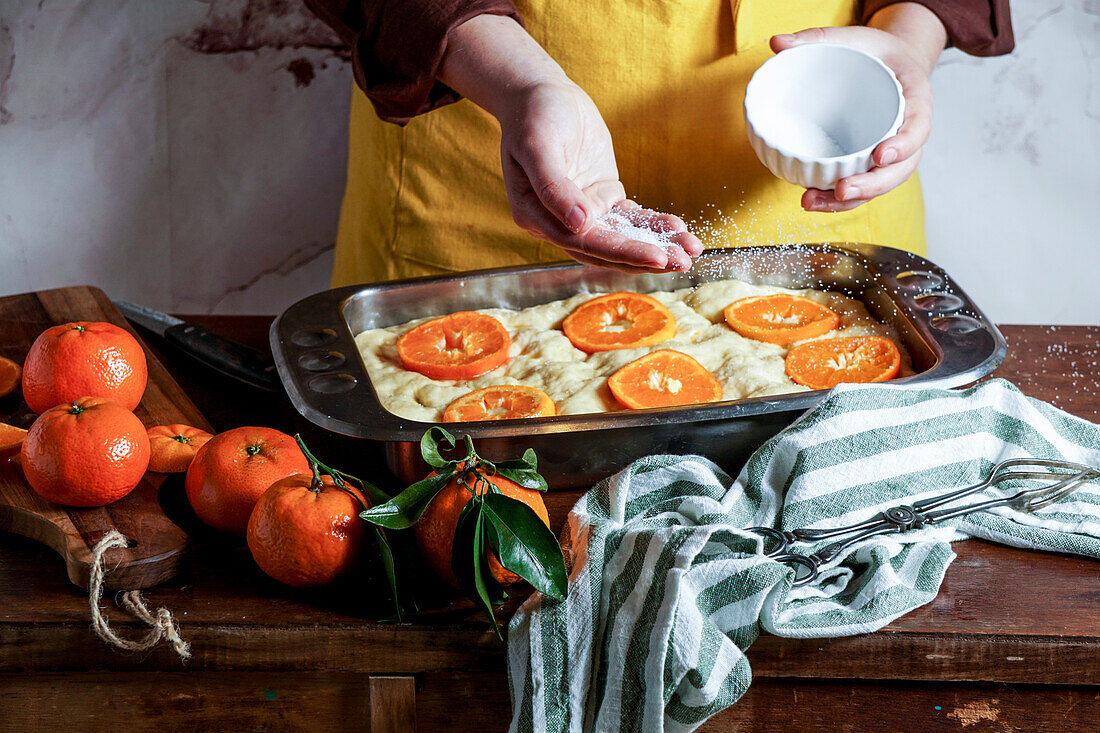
(217, 352)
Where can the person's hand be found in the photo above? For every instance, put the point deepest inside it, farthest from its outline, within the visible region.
(909, 42)
(560, 176)
(555, 151)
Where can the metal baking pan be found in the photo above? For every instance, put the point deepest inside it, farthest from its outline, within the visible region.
(950, 340)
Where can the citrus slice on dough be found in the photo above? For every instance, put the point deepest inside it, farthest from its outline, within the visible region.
(11, 440)
(501, 402)
(826, 363)
(10, 374)
(664, 378)
(619, 321)
(462, 345)
(780, 319)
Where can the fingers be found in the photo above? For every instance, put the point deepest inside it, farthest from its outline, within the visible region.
(917, 124)
(855, 190)
(594, 262)
(557, 192)
(599, 244)
(789, 40)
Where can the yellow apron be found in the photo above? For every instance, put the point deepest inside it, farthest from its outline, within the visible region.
(669, 78)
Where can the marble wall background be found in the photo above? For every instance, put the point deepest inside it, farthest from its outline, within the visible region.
(189, 154)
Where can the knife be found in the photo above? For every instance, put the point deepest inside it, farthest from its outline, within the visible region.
(228, 357)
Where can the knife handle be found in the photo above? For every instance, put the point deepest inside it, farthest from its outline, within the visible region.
(227, 357)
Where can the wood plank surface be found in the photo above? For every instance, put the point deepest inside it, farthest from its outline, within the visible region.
(447, 701)
(1002, 616)
(393, 704)
(158, 548)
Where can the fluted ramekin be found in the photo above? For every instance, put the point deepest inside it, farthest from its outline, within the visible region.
(815, 113)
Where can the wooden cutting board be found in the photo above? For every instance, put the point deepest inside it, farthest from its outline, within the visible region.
(159, 548)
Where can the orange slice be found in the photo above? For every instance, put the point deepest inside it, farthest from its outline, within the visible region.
(825, 364)
(664, 378)
(462, 345)
(780, 319)
(502, 402)
(173, 447)
(11, 440)
(619, 321)
(10, 374)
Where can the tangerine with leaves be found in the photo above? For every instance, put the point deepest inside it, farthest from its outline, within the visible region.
(479, 524)
(174, 447)
(458, 346)
(88, 452)
(780, 319)
(619, 321)
(84, 359)
(305, 530)
(435, 532)
(826, 363)
(232, 471)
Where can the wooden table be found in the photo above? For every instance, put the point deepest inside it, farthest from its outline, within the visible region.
(1012, 642)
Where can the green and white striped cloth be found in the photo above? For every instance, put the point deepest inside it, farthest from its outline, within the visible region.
(667, 590)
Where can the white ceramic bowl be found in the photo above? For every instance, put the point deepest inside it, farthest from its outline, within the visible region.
(815, 113)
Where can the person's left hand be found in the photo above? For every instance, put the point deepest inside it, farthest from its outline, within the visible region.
(895, 158)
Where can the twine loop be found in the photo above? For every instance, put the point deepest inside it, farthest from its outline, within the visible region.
(163, 626)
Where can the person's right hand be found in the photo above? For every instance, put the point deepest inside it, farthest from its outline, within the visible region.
(560, 176)
(555, 150)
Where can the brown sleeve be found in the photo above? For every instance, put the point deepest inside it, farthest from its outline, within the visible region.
(397, 47)
(977, 27)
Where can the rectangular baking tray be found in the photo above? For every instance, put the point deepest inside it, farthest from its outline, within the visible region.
(950, 340)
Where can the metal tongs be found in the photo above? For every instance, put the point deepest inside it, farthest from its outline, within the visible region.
(922, 513)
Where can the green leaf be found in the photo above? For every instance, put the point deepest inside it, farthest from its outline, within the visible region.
(523, 475)
(429, 446)
(525, 545)
(470, 561)
(376, 495)
(386, 553)
(402, 511)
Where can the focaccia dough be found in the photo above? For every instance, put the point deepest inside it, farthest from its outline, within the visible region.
(541, 356)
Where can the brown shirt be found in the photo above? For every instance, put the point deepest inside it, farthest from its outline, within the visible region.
(398, 45)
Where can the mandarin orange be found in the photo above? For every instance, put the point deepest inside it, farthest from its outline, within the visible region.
(826, 363)
(88, 452)
(619, 321)
(435, 530)
(232, 471)
(10, 374)
(174, 447)
(458, 346)
(664, 378)
(500, 402)
(11, 441)
(306, 535)
(84, 359)
(780, 319)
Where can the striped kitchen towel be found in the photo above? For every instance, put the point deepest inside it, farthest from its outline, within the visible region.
(667, 590)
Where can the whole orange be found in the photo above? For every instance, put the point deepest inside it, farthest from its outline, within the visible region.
(232, 471)
(303, 535)
(174, 447)
(84, 359)
(435, 530)
(88, 452)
